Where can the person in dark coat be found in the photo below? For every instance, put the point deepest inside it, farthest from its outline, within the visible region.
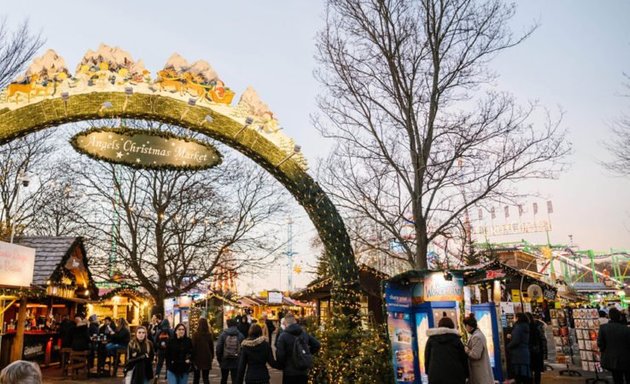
(80, 335)
(243, 325)
(203, 351)
(614, 343)
(93, 326)
(518, 349)
(178, 356)
(445, 358)
(537, 344)
(255, 355)
(66, 327)
(120, 338)
(284, 349)
(139, 362)
(229, 366)
(162, 336)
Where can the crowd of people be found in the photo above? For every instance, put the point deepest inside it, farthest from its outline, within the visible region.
(526, 350)
(243, 351)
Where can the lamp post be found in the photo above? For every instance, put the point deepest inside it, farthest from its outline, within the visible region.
(23, 180)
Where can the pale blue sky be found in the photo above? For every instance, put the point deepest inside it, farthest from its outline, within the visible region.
(574, 61)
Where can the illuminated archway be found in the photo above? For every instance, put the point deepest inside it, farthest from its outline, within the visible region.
(108, 84)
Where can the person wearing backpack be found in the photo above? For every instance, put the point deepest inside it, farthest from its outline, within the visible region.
(255, 355)
(228, 350)
(294, 353)
(162, 335)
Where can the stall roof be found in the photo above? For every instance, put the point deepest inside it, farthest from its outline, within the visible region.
(473, 273)
(52, 253)
(593, 287)
(369, 280)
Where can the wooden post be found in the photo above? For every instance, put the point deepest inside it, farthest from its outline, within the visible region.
(18, 341)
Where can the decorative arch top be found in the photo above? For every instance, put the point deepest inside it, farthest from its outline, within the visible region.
(113, 70)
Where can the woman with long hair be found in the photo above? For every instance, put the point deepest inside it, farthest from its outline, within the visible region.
(120, 338)
(255, 355)
(140, 352)
(178, 356)
(518, 350)
(479, 368)
(203, 351)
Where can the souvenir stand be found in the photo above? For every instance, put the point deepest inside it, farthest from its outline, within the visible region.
(495, 292)
(565, 339)
(416, 301)
(60, 284)
(587, 328)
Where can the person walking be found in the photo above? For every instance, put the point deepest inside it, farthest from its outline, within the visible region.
(614, 343)
(243, 325)
(255, 355)
(139, 362)
(270, 327)
(228, 350)
(444, 355)
(537, 347)
(178, 356)
(285, 346)
(154, 326)
(162, 336)
(518, 350)
(203, 352)
(479, 368)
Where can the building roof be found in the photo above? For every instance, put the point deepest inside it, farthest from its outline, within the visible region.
(369, 281)
(52, 253)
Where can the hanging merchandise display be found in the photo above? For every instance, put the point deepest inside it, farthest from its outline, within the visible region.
(587, 328)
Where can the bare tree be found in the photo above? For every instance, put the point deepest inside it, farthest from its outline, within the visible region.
(618, 147)
(422, 134)
(167, 231)
(61, 205)
(16, 49)
(20, 160)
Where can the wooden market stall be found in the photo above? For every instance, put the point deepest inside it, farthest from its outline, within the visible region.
(61, 285)
(130, 303)
(370, 281)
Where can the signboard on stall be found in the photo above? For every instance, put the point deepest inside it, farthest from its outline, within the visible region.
(16, 265)
(274, 297)
(438, 288)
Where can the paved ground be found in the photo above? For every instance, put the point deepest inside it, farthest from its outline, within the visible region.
(53, 375)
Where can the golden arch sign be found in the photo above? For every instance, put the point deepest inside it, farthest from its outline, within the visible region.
(108, 83)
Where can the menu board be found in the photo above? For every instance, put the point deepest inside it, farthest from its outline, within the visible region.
(401, 337)
(586, 329)
(562, 335)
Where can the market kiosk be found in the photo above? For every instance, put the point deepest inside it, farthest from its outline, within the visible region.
(416, 301)
(54, 281)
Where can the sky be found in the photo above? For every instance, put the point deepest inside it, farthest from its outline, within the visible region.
(573, 62)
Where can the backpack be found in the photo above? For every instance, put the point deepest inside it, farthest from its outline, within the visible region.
(231, 347)
(163, 338)
(301, 357)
